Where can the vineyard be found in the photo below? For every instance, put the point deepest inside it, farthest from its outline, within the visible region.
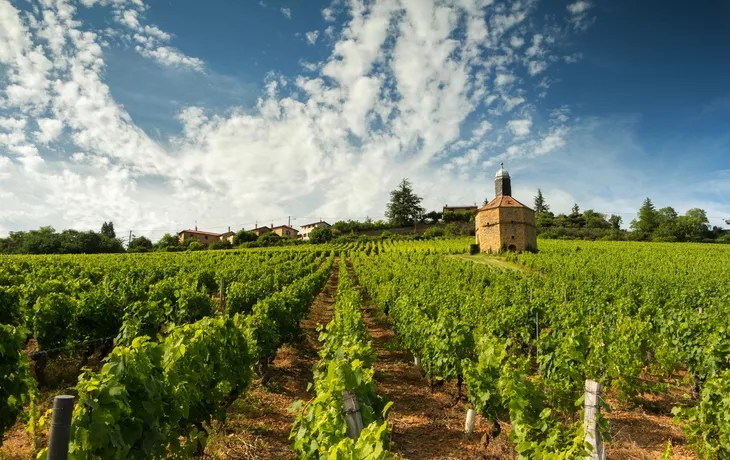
(164, 351)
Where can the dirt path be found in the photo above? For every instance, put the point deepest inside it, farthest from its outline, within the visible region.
(493, 261)
(258, 425)
(425, 425)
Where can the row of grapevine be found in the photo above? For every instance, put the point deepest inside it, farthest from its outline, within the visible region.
(61, 301)
(524, 342)
(65, 300)
(153, 399)
(345, 365)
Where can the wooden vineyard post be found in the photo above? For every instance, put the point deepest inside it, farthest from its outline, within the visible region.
(352, 414)
(591, 411)
(63, 407)
(470, 417)
(223, 293)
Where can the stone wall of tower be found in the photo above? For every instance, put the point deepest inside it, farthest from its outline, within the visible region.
(506, 228)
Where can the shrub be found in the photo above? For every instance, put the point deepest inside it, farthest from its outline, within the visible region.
(321, 235)
(269, 238)
(433, 232)
(222, 244)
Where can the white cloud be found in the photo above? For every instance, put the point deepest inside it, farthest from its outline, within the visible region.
(482, 129)
(520, 128)
(49, 130)
(391, 100)
(517, 42)
(579, 14)
(535, 67)
(170, 57)
(504, 79)
(312, 36)
(286, 12)
(328, 14)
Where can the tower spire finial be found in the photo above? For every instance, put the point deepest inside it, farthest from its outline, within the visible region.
(502, 164)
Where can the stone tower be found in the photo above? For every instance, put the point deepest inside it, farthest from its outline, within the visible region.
(505, 224)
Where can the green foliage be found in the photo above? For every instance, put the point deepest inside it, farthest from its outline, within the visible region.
(221, 244)
(269, 238)
(107, 229)
(433, 232)
(195, 246)
(16, 385)
(541, 205)
(346, 357)
(46, 241)
(52, 316)
(404, 207)
(140, 244)
(168, 242)
(243, 236)
(149, 396)
(707, 425)
(321, 235)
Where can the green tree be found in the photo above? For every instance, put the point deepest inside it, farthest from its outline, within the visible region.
(540, 205)
(321, 235)
(647, 219)
(666, 225)
(575, 210)
(693, 225)
(168, 242)
(140, 244)
(269, 238)
(433, 216)
(615, 221)
(404, 207)
(243, 236)
(595, 220)
(107, 229)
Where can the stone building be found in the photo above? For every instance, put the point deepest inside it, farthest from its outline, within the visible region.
(505, 224)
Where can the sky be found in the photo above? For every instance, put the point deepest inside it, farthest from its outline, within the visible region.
(163, 115)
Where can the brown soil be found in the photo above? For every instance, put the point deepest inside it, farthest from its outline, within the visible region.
(258, 425)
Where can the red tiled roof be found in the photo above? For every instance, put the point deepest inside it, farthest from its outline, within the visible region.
(503, 202)
(285, 226)
(315, 223)
(470, 206)
(198, 232)
(260, 228)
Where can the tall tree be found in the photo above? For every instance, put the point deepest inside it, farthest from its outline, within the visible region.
(647, 219)
(404, 207)
(575, 210)
(540, 205)
(107, 229)
(615, 221)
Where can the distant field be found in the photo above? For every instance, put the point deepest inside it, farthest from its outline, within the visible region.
(204, 352)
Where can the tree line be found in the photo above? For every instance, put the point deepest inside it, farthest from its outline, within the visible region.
(403, 210)
(651, 224)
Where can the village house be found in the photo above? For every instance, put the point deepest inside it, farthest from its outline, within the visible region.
(260, 230)
(459, 209)
(307, 229)
(286, 231)
(205, 238)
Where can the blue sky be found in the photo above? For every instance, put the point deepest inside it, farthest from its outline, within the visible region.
(159, 115)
